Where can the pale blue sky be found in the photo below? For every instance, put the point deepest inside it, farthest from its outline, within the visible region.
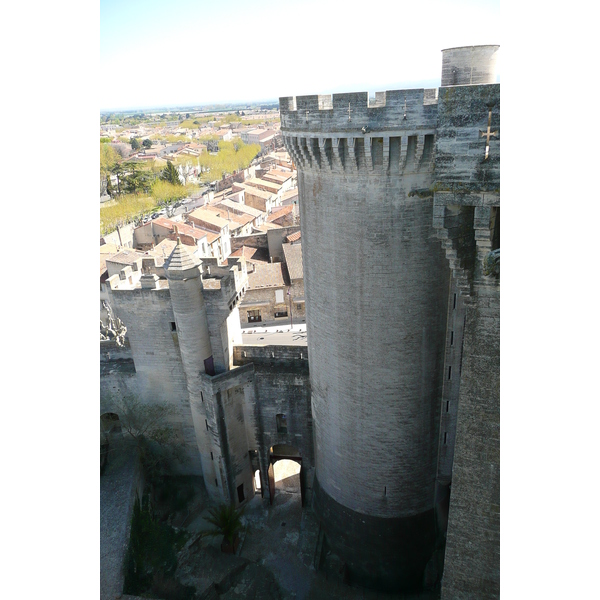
(197, 51)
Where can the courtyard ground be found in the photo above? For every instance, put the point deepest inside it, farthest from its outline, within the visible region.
(275, 558)
(280, 541)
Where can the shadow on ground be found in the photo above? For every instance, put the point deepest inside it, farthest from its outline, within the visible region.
(275, 557)
(274, 560)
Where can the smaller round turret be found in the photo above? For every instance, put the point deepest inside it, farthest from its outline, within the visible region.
(469, 65)
(182, 269)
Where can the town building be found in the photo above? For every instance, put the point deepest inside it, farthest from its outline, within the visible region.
(257, 198)
(239, 208)
(209, 221)
(266, 298)
(284, 215)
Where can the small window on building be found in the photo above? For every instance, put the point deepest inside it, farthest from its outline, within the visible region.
(445, 436)
(173, 326)
(211, 456)
(281, 313)
(454, 307)
(449, 372)
(206, 423)
(216, 483)
(452, 338)
(254, 316)
(240, 492)
(447, 405)
(281, 423)
(279, 296)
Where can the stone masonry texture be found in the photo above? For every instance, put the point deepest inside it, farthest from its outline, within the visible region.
(472, 562)
(377, 282)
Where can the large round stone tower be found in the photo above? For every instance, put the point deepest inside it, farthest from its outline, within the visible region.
(376, 286)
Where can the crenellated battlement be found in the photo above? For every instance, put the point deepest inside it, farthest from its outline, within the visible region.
(412, 108)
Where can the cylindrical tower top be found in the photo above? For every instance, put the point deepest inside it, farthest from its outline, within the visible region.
(469, 65)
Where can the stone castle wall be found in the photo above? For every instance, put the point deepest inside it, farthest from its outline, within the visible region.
(472, 561)
(160, 378)
(463, 114)
(281, 379)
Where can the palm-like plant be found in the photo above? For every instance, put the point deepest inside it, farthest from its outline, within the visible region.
(227, 521)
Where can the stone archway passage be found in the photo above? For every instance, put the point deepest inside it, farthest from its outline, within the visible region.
(110, 423)
(257, 481)
(283, 452)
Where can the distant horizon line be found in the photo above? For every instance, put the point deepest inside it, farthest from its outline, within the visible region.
(181, 107)
(424, 83)
(371, 88)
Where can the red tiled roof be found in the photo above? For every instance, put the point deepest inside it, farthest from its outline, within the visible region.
(195, 232)
(245, 251)
(280, 212)
(266, 275)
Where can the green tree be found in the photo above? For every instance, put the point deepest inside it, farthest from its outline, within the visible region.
(151, 557)
(108, 158)
(136, 179)
(147, 143)
(109, 188)
(154, 437)
(135, 143)
(138, 182)
(117, 170)
(165, 192)
(170, 174)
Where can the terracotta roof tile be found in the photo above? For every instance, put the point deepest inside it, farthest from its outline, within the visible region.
(280, 211)
(266, 275)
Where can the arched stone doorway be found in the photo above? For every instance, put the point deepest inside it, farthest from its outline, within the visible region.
(289, 453)
(110, 424)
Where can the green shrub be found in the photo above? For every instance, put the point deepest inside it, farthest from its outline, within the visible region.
(152, 553)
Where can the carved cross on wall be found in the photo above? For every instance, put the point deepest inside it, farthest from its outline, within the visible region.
(488, 134)
(349, 111)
